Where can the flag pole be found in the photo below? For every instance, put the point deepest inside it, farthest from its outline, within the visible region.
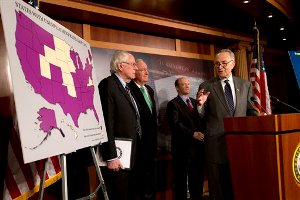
(256, 46)
(258, 76)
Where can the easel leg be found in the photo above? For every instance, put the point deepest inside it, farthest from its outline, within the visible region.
(103, 187)
(42, 181)
(64, 177)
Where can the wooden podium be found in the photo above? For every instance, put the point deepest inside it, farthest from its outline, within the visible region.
(262, 153)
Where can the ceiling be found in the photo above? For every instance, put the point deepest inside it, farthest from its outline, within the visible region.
(229, 15)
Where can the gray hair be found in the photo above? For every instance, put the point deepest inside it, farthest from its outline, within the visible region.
(231, 54)
(139, 60)
(118, 57)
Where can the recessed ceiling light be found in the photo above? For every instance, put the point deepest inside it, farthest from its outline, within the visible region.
(246, 1)
(281, 28)
(284, 38)
(270, 15)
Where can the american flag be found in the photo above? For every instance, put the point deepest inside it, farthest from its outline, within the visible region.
(23, 180)
(258, 77)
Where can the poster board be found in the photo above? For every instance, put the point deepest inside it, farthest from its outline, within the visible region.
(54, 84)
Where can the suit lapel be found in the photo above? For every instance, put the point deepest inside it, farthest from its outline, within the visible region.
(184, 106)
(120, 86)
(237, 88)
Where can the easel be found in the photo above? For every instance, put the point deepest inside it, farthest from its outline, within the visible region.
(64, 179)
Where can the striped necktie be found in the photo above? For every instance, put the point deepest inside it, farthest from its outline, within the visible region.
(148, 101)
(188, 102)
(229, 97)
(138, 128)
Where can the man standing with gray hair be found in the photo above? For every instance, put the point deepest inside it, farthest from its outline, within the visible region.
(147, 151)
(220, 97)
(122, 120)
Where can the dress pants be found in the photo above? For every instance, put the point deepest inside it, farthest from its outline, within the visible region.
(219, 182)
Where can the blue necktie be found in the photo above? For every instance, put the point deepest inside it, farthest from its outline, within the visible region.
(228, 95)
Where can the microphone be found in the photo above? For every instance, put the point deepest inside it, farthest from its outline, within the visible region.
(277, 100)
(260, 107)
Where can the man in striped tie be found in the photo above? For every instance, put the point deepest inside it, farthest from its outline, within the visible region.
(145, 97)
(122, 120)
(222, 96)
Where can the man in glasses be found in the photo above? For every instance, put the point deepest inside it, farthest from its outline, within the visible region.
(223, 96)
(148, 146)
(122, 120)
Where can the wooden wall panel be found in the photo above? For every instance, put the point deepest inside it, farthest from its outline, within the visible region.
(130, 38)
(137, 42)
(194, 47)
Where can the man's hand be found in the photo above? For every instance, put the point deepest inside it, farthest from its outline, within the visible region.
(202, 96)
(114, 165)
(199, 136)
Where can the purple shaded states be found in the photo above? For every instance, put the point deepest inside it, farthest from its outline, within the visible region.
(27, 70)
(47, 90)
(23, 20)
(34, 34)
(56, 73)
(85, 75)
(89, 101)
(73, 107)
(58, 92)
(30, 42)
(43, 38)
(33, 58)
(24, 35)
(47, 119)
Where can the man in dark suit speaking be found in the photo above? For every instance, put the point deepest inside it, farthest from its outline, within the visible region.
(223, 96)
(186, 143)
(147, 154)
(122, 120)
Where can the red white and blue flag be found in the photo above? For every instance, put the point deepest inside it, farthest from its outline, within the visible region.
(23, 180)
(258, 77)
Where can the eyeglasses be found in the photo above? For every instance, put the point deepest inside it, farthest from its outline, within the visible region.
(131, 64)
(224, 64)
(143, 70)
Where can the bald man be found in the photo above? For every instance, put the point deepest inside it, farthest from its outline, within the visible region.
(187, 143)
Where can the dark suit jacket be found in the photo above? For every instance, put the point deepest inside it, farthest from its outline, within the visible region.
(119, 116)
(148, 121)
(216, 108)
(183, 124)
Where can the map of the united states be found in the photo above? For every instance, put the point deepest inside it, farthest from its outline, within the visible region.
(55, 71)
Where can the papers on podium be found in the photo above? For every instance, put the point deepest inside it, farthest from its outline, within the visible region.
(123, 147)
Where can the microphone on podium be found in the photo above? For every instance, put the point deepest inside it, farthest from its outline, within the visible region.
(260, 107)
(277, 100)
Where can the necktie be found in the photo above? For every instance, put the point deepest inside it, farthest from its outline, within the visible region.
(148, 101)
(188, 102)
(228, 95)
(138, 128)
